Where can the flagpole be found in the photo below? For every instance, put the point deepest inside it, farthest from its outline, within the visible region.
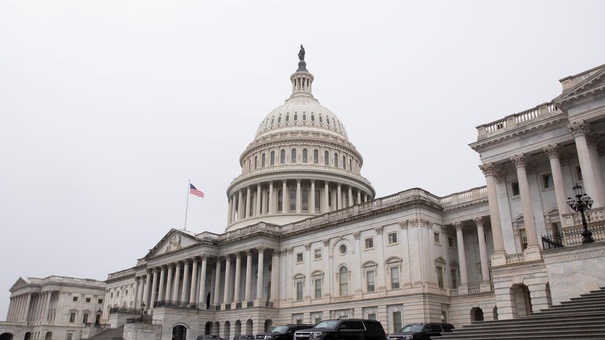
(187, 204)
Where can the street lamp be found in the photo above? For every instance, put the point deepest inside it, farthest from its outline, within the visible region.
(142, 310)
(582, 203)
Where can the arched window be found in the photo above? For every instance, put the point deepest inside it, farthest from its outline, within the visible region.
(336, 159)
(282, 156)
(305, 199)
(292, 198)
(263, 160)
(280, 203)
(272, 157)
(315, 156)
(344, 163)
(304, 155)
(343, 281)
(255, 162)
(326, 158)
(293, 156)
(317, 201)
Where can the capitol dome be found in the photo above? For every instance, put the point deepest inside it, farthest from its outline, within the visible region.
(300, 164)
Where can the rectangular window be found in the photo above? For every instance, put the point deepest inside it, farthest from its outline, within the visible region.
(392, 238)
(317, 320)
(100, 301)
(372, 316)
(75, 298)
(69, 336)
(87, 299)
(72, 317)
(299, 258)
(85, 318)
(299, 291)
(317, 254)
(514, 188)
(547, 181)
(436, 238)
(439, 270)
(370, 276)
(450, 242)
(394, 277)
(369, 243)
(397, 322)
(454, 279)
(317, 288)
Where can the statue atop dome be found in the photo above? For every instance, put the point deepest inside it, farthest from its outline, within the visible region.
(301, 53)
(302, 65)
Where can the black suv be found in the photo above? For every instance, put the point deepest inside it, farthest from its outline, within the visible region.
(282, 332)
(345, 329)
(422, 331)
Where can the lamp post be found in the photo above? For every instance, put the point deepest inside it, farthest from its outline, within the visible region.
(582, 203)
(142, 310)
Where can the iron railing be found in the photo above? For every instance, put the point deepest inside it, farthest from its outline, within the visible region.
(174, 304)
(124, 310)
(571, 237)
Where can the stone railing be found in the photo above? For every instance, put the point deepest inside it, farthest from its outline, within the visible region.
(515, 119)
(592, 216)
(515, 258)
(120, 274)
(465, 196)
(572, 237)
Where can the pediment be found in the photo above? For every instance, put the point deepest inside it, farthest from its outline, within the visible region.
(20, 283)
(173, 241)
(592, 86)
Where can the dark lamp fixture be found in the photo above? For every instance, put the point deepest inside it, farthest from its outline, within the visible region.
(582, 203)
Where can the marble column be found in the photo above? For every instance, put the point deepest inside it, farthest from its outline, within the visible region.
(579, 131)
(312, 197)
(217, 281)
(185, 285)
(491, 171)
(350, 197)
(248, 291)
(298, 196)
(552, 150)
(271, 199)
(258, 199)
(261, 268)
(177, 282)
(240, 205)
(161, 292)
(230, 209)
(339, 196)
(202, 293)
(485, 282)
(227, 292)
(248, 195)
(147, 287)
(238, 270)
(167, 297)
(532, 252)
(275, 276)
(154, 285)
(284, 198)
(326, 197)
(463, 289)
(192, 290)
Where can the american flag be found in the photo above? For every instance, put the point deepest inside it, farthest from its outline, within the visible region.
(194, 191)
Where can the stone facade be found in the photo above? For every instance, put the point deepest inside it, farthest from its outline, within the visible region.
(307, 240)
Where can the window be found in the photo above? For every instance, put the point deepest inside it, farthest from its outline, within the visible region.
(280, 202)
(523, 238)
(450, 242)
(371, 281)
(317, 200)
(439, 270)
(87, 299)
(343, 281)
(305, 199)
(315, 156)
(335, 160)
(372, 316)
(395, 277)
(72, 317)
(317, 284)
(272, 157)
(255, 162)
(326, 158)
(69, 336)
(344, 163)
(397, 322)
(299, 291)
(304, 155)
(514, 188)
(317, 254)
(75, 298)
(392, 238)
(100, 301)
(85, 318)
(293, 156)
(436, 238)
(299, 258)
(343, 249)
(547, 181)
(263, 157)
(369, 243)
(454, 279)
(292, 198)
(282, 157)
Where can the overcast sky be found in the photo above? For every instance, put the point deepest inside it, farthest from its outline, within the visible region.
(109, 107)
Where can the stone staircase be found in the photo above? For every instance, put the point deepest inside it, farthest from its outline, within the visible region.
(109, 334)
(580, 318)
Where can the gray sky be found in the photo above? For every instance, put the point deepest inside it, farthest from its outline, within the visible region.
(108, 108)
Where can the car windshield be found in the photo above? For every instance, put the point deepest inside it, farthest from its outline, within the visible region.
(280, 329)
(331, 324)
(411, 328)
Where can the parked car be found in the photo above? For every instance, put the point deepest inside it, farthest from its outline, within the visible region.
(243, 337)
(345, 329)
(421, 331)
(282, 332)
(209, 337)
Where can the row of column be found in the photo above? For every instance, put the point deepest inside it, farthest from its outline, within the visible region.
(262, 199)
(593, 181)
(164, 283)
(462, 254)
(29, 307)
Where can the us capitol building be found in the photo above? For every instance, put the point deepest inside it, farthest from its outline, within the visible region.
(307, 240)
